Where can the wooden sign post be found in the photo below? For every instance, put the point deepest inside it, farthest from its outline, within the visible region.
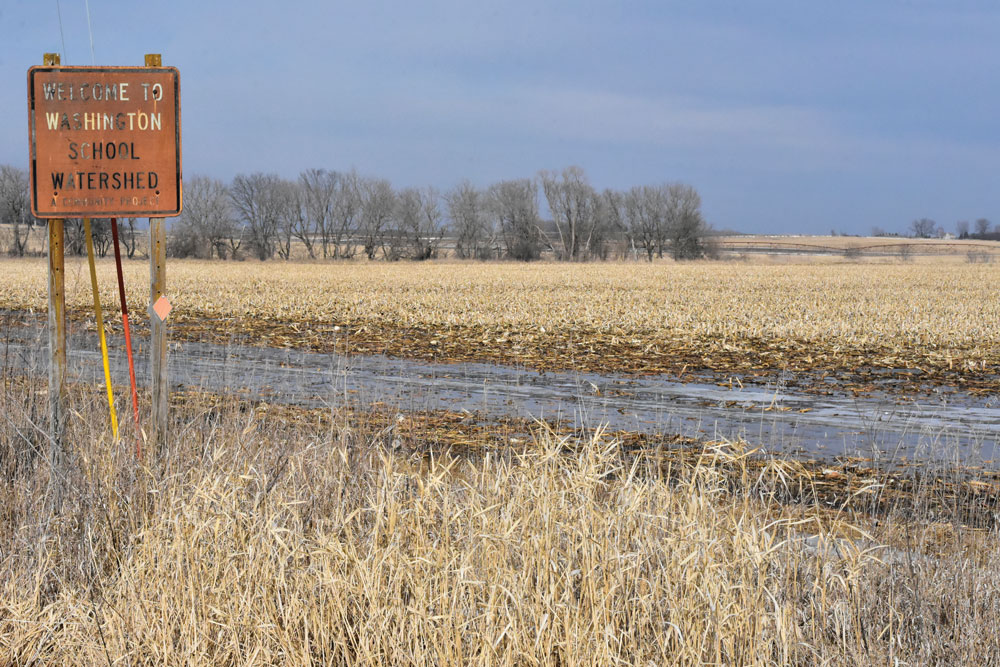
(105, 142)
(158, 325)
(57, 348)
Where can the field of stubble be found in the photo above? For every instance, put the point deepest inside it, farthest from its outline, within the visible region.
(923, 323)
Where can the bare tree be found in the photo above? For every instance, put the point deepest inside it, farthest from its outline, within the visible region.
(15, 207)
(608, 231)
(76, 236)
(962, 229)
(128, 235)
(469, 222)
(347, 211)
(259, 200)
(573, 204)
(394, 239)
(75, 241)
(644, 209)
(420, 222)
(982, 227)
(660, 217)
(293, 222)
(513, 206)
(318, 191)
(923, 228)
(207, 226)
(100, 229)
(378, 201)
(331, 202)
(685, 226)
(615, 218)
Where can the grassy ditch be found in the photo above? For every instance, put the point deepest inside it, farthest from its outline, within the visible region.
(267, 536)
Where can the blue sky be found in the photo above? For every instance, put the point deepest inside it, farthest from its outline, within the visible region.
(787, 116)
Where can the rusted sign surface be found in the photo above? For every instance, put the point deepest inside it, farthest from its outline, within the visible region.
(105, 141)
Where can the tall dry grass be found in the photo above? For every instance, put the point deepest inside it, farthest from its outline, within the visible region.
(261, 541)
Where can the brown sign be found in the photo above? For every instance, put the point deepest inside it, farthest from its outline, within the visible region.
(105, 141)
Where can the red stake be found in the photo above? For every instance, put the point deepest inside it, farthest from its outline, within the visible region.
(128, 338)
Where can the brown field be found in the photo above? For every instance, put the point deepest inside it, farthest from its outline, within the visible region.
(920, 246)
(274, 534)
(938, 316)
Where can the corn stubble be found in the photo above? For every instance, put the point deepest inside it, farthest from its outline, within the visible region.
(259, 541)
(938, 319)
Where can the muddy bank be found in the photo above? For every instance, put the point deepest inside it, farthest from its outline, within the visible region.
(806, 365)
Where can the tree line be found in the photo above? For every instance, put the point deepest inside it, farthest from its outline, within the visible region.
(18, 226)
(339, 215)
(926, 228)
(343, 214)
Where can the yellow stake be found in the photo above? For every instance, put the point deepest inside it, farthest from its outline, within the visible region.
(100, 326)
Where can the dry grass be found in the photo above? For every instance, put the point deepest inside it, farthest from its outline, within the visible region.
(942, 318)
(259, 541)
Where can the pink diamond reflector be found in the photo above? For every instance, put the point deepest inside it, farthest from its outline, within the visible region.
(162, 308)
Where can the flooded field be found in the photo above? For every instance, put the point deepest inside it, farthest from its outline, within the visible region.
(792, 415)
(890, 362)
